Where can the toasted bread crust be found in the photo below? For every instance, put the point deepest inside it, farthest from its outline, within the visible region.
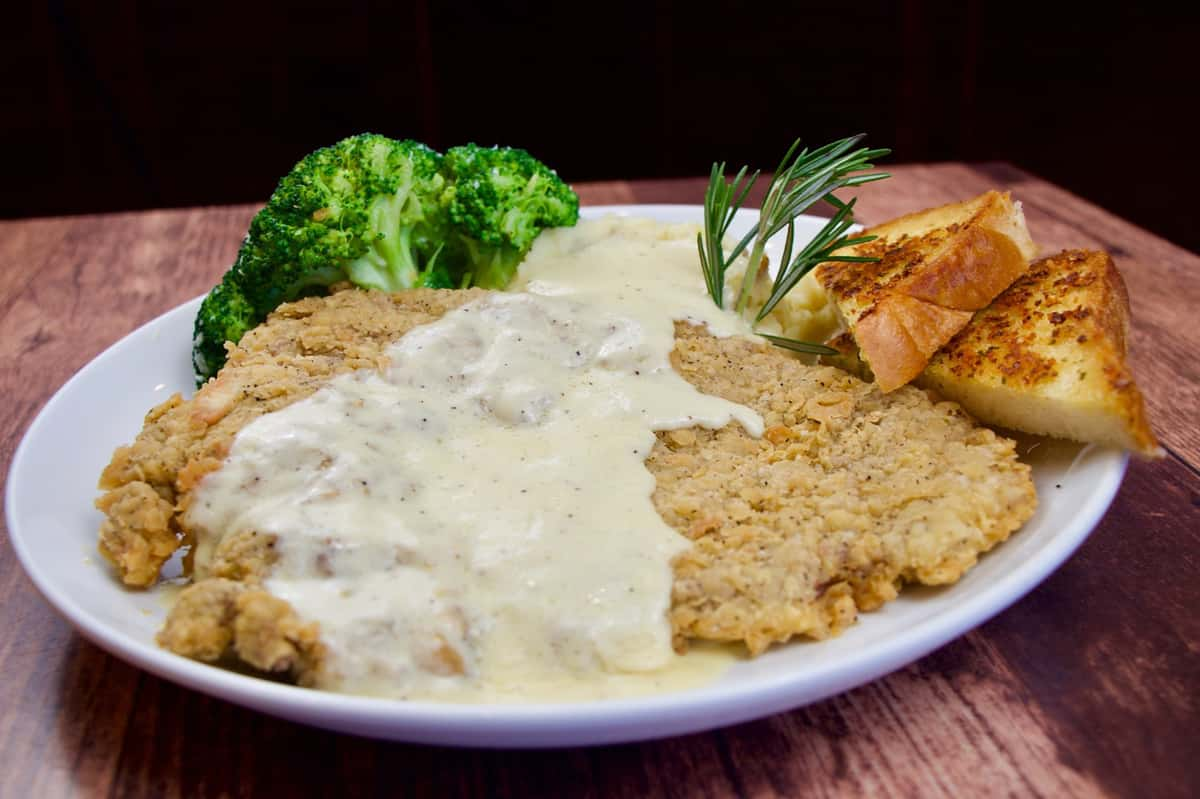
(1048, 356)
(901, 333)
(935, 268)
(969, 272)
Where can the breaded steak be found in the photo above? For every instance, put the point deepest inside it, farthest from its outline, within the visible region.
(849, 493)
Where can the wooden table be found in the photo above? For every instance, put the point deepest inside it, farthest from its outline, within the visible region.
(1089, 686)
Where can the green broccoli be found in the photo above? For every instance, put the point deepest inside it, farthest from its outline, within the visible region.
(499, 199)
(388, 215)
(367, 209)
(225, 315)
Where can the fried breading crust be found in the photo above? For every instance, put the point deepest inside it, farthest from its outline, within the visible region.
(848, 494)
(300, 347)
(216, 616)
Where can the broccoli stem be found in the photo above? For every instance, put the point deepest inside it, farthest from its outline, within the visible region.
(493, 265)
(389, 264)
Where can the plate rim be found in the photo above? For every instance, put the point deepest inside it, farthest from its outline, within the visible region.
(546, 724)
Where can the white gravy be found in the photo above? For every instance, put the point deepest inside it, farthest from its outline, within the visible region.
(475, 524)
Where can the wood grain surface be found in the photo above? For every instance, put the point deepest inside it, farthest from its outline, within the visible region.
(1090, 686)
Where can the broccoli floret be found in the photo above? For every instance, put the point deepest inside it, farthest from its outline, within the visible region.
(225, 315)
(367, 209)
(498, 200)
(383, 214)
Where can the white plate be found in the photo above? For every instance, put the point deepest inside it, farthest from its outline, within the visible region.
(53, 525)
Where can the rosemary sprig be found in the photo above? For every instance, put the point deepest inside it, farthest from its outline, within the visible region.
(721, 202)
(802, 179)
(828, 240)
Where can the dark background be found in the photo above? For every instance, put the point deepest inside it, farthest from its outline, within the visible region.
(121, 105)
